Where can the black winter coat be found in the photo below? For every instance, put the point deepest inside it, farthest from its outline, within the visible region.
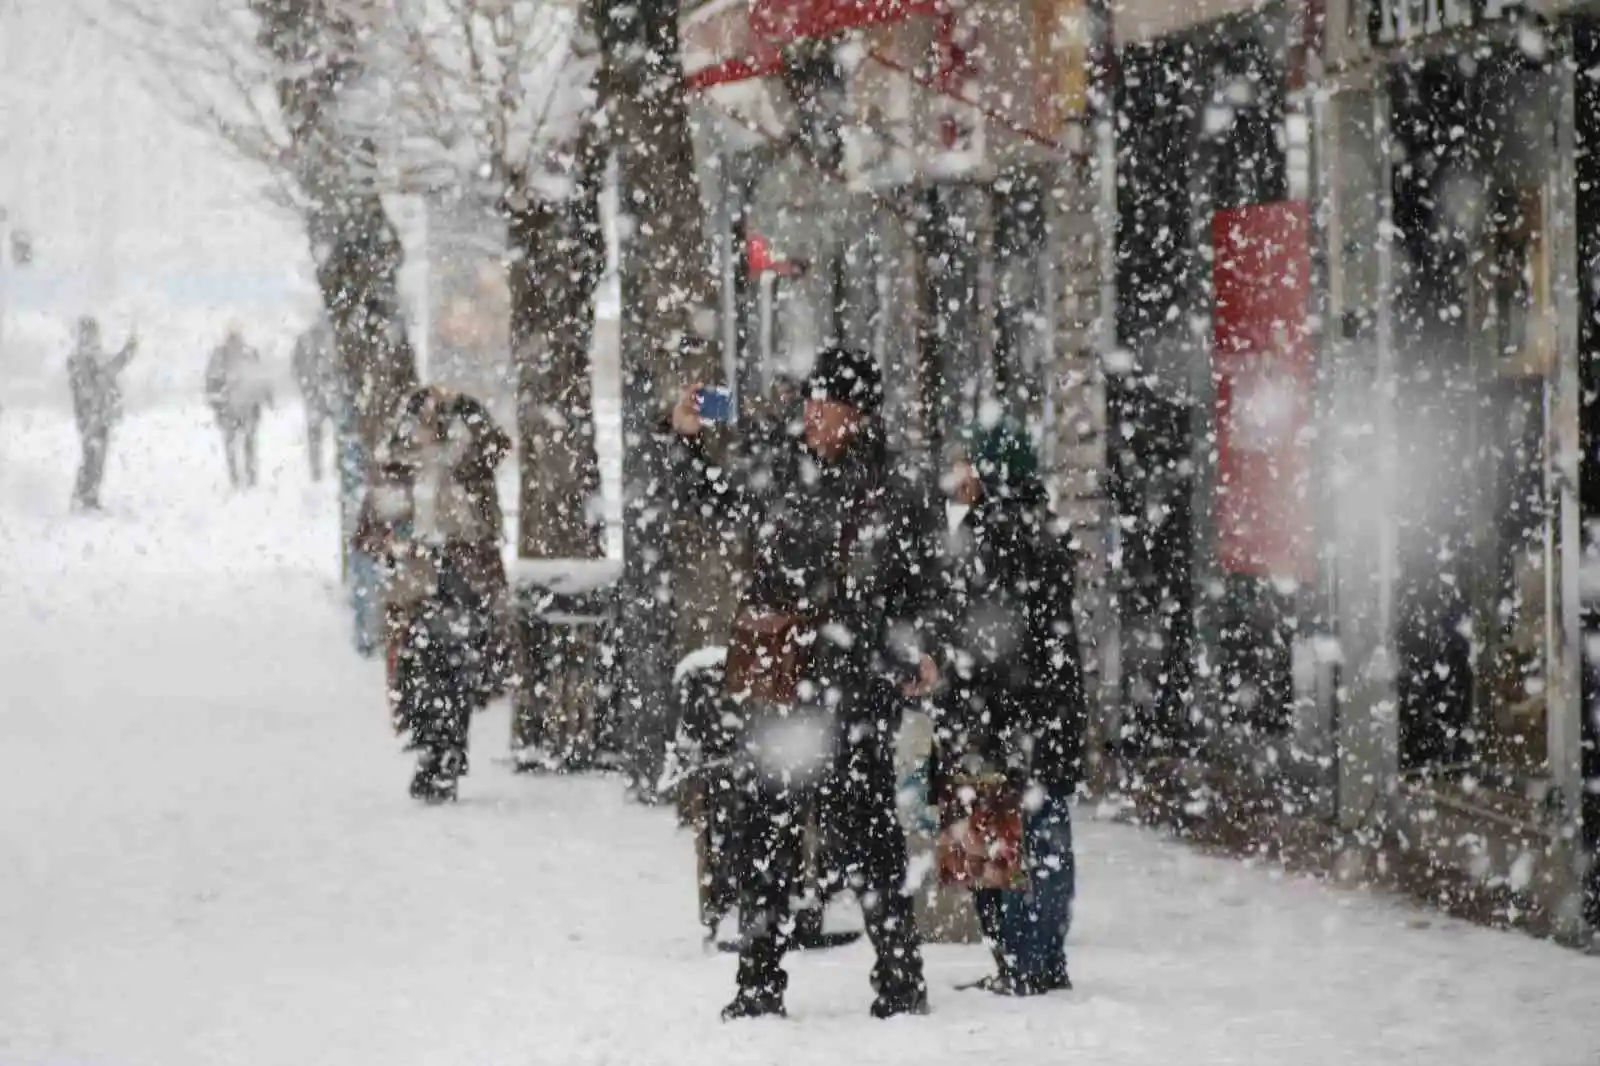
(1015, 695)
(852, 542)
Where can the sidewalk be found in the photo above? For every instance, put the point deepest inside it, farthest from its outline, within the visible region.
(209, 858)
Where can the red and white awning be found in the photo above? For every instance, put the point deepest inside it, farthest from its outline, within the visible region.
(929, 93)
(732, 40)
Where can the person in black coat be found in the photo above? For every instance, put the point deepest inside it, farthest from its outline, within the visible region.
(1014, 702)
(836, 539)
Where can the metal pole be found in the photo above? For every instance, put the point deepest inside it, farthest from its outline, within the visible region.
(5, 241)
(1105, 603)
(1564, 633)
(1384, 666)
(423, 340)
(725, 233)
(1320, 159)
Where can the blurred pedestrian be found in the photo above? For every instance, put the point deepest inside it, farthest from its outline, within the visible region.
(96, 405)
(1013, 712)
(237, 388)
(315, 367)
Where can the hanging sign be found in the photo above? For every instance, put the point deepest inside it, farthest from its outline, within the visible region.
(1261, 364)
(1061, 36)
(1398, 21)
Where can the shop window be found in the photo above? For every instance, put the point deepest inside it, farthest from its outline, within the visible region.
(1517, 315)
(1021, 331)
(1475, 336)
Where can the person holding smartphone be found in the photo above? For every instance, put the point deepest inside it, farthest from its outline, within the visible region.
(95, 379)
(824, 649)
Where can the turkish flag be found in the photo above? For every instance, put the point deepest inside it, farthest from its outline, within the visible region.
(1261, 366)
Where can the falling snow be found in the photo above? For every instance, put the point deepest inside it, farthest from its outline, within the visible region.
(534, 529)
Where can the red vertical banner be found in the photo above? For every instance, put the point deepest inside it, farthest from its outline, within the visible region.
(1261, 366)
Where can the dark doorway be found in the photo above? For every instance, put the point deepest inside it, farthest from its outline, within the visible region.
(1200, 127)
(1149, 419)
(1586, 46)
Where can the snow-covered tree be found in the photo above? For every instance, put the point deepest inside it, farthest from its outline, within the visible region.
(492, 101)
(288, 85)
(344, 101)
(673, 574)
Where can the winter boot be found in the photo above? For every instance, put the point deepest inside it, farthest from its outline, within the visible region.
(900, 987)
(897, 974)
(911, 999)
(1004, 981)
(762, 981)
(424, 787)
(436, 776)
(754, 1005)
(1054, 979)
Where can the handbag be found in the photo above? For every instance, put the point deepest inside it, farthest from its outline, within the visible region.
(767, 655)
(786, 736)
(770, 648)
(980, 842)
(791, 735)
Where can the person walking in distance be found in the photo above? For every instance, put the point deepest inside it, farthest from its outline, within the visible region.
(236, 390)
(96, 405)
(822, 653)
(315, 374)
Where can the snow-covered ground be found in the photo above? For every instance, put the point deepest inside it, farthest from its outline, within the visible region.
(207, 855)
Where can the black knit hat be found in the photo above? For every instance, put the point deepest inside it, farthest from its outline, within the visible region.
(847, 375)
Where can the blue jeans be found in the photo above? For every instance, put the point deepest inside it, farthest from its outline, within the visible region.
(1028, 929)
(366, 601)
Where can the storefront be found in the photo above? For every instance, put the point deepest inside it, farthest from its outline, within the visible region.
(913, 178)
(1209, 402)
(1453, 230)
(1345, 409)
(879, 174)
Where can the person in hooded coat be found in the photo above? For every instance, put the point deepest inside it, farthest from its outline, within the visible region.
(835, 538)
(96, 405)
(1014, 700)
(432, 518)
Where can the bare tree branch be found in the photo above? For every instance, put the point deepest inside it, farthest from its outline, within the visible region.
(197, 68)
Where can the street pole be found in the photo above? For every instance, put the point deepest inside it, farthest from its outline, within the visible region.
(5, 243)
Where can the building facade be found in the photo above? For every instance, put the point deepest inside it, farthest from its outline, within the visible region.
(920, 180)
(1350, 428)
(1300, 302)
(1460, 214)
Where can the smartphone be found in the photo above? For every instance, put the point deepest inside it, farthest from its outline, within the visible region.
(714, 404)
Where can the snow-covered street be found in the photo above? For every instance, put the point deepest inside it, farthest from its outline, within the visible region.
(207, 855)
